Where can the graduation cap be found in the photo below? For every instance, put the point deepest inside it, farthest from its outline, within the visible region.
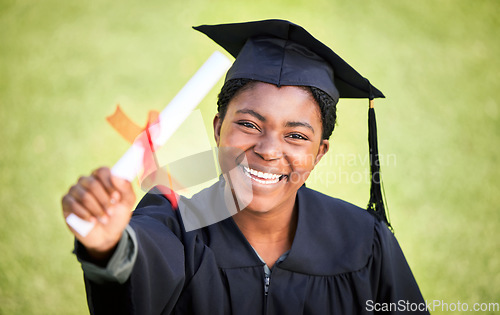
(282, 53)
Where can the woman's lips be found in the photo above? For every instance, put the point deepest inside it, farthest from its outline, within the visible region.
(262, 177)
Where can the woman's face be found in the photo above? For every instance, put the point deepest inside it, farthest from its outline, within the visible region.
(270, 140)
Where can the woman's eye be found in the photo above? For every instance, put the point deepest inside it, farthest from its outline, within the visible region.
(247, 124)
(297, 136)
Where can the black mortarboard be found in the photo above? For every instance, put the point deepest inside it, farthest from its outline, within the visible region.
(282, 53)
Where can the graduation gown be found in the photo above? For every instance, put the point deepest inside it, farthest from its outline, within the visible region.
(342, 261)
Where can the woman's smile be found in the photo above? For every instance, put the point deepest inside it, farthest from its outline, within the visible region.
(263, 177)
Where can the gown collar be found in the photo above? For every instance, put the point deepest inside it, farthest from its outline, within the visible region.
(332, 237)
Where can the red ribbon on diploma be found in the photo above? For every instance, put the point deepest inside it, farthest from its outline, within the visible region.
(153, 175)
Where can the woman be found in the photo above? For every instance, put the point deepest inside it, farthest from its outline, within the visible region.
(288, 249)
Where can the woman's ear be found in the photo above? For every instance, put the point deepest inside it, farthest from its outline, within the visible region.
(323, 148)
(217, 127)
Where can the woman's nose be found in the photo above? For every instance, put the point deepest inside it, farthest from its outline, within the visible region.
(269, 147)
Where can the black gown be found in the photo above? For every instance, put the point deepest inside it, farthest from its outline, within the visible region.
(342, 261)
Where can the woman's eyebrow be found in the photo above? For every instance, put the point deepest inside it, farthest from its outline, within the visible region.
(251, 112)
(299, 124)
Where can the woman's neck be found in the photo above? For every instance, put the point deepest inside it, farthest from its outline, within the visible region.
(271, 233)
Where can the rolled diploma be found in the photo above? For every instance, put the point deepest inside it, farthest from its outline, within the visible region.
(176, 112)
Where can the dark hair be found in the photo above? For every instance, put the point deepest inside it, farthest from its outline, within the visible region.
(327, 106)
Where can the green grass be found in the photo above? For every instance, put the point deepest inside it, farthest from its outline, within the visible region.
(64, 66)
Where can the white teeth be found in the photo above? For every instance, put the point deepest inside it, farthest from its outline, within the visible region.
(260, 177)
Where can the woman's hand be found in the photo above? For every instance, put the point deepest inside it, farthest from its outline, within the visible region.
(104, 200)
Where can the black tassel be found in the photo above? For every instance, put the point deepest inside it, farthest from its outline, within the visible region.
(376, 203)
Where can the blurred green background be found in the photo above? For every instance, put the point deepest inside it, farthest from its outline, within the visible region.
(64, 65)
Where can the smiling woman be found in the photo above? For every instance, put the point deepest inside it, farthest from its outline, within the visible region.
(287, 249)
(279, 131)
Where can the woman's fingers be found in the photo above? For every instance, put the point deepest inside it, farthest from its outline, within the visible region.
(98, 190)
(70, 205)
(106, 203)
(97, 195)
(103, 174)
(87, 198)
(124, 191)
(118, 189)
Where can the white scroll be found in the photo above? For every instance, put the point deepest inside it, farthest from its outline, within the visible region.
(174, 114)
